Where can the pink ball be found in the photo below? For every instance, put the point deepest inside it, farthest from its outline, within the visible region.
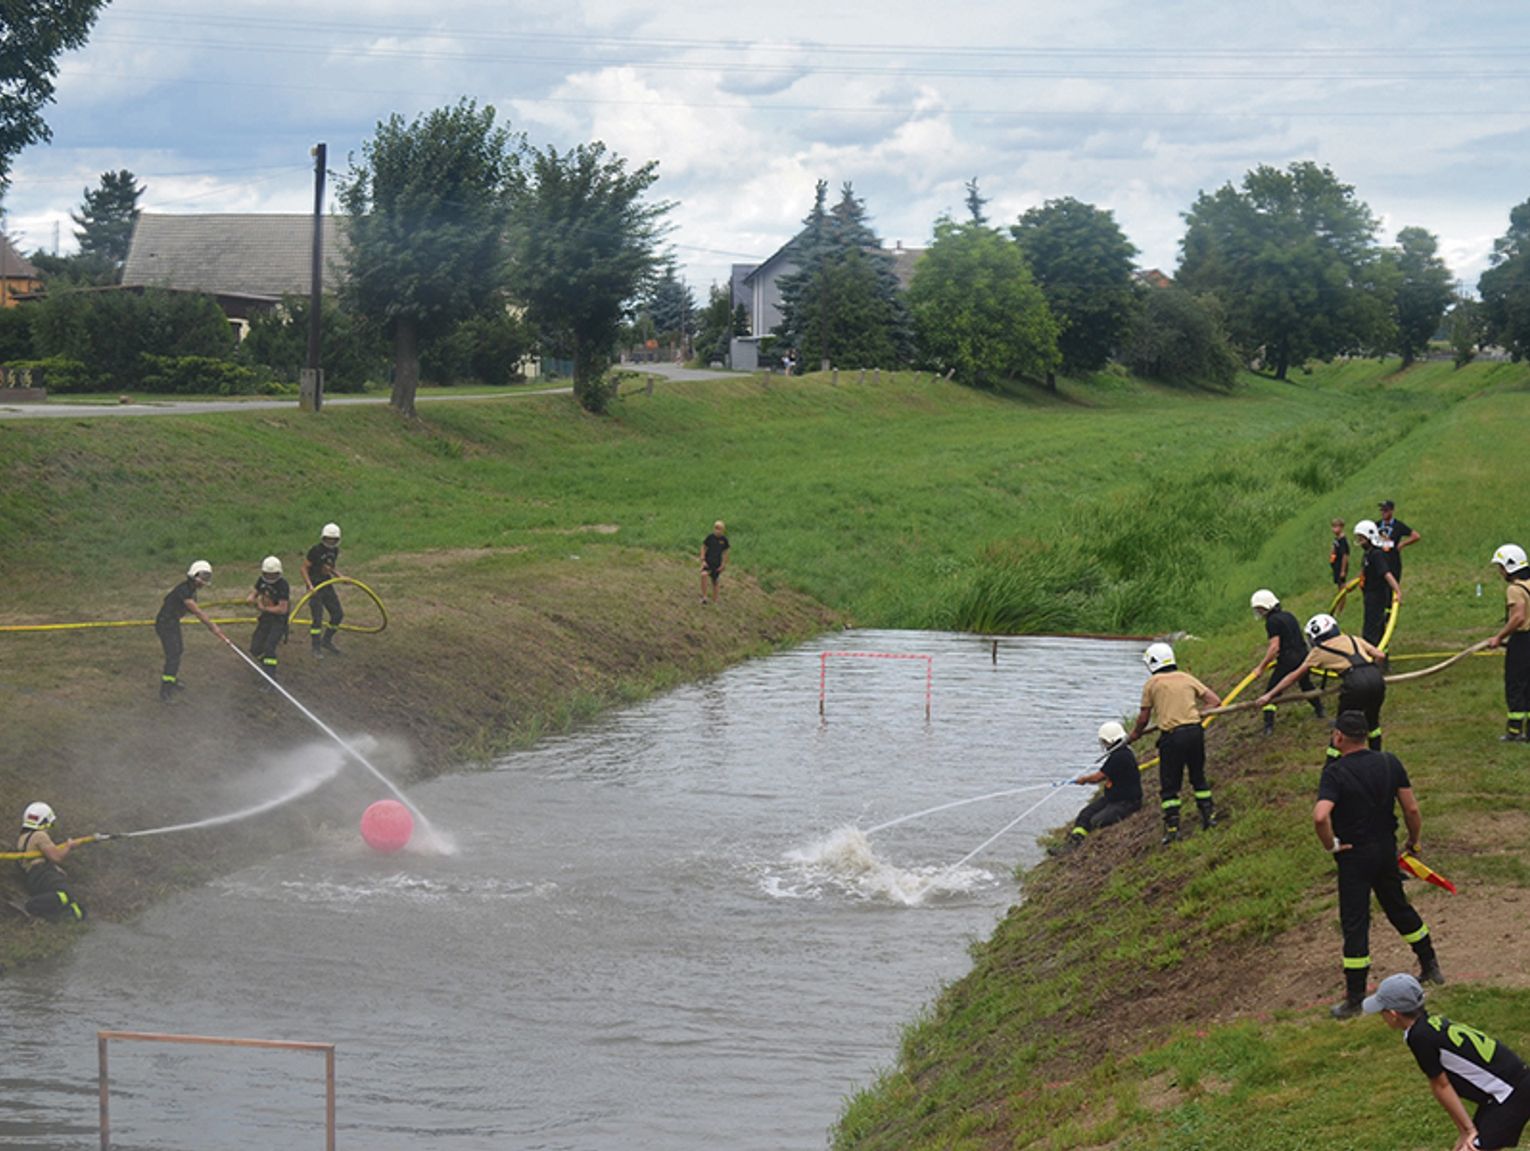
(387, 825)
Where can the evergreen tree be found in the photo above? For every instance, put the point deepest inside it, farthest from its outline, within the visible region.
(104, 223)
(672, 308)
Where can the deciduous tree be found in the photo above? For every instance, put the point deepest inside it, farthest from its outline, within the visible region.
(1423, 291)
(1505, 287)
(32, 37)
(1177, 338)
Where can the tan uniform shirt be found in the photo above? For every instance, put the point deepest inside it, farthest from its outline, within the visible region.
(1336, 660)
(32, 841)
(1174, 697)
(1519, 593)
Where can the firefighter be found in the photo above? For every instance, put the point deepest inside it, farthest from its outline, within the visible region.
(1362, 686)
(319, 566)
(271, 596)
(1514, 638)
(1174, 698)
(48, 895)
(1285, 651)
(1122, 794)
(1378, 582)
(180, 600)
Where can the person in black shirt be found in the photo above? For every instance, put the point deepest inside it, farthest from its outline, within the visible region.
(1395, 535)
(1286, 651)
(714, 557)
(272, 597)
(1354, 820)
(318, 567)
(1122, 794)
(182, 598)
(1338, 555)
(1378, 584)
(1460, 1062)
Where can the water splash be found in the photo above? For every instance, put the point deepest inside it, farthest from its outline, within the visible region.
(845, 863)
(311, 782)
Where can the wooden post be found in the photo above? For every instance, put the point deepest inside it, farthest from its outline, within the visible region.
(648, 391)
(101, 1080)
(862, 380)
(311, 385)
(834, 381)
(877, 376)
(995, 653)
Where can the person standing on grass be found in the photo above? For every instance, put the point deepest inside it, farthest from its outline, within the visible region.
(1514, 638)
(1355, 822)
(1338, 555)
(1395, 535)
(1379, 586)
(318, 568)
(714, 557)
(1174, 697)
(180, 600)
(1120, 797)
(1286, 650)
(1362, 686)
(1460, 1063)
(47, 886)
(272, 597)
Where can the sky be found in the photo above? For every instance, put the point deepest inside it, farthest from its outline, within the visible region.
(1135, 107)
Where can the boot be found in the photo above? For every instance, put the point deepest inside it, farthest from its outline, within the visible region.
(329, 643)
(1170, 832)
(1208, 814)
(1428, 964)
(318, 649)
(1269, 721)
(1318, 711)
(166, 692)
(1515, 732)
(1353, 1003)
(1073, 842)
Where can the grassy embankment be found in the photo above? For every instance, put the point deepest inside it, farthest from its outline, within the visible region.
(539, 564)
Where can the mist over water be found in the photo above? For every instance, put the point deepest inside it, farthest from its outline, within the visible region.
(670, 931)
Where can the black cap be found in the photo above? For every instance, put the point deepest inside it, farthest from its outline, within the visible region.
(1386, 505)
(1353, 724)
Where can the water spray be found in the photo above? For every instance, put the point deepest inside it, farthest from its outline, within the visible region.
(306, 787)
(956, 803)
(1051, 789)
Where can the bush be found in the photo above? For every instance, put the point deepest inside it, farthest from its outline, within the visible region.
(207, 375)
(15, 334)
(353, 353)
(57, 374)
(109, 332)
(486, 349)
(1177, 338)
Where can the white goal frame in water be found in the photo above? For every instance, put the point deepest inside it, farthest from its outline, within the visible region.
(327, 1049)
(823, 671)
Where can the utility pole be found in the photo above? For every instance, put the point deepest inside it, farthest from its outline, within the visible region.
(311, 386)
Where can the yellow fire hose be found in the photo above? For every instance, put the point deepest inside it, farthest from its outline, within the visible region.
(1209, 716)
(79, 841)
(1342, 595)
(360, 629)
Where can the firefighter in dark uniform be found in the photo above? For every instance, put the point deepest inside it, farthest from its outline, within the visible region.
(319, 566)
(1514, 638)
(1338, 555)
(1173, 697)
(1285, 652)
(1460, 1063)
(1362, 686)
(1354, 821)
(272, 598)
(47, 886)
(182, 598)
(1395, 535)
(1378, 582)
(1122, 794)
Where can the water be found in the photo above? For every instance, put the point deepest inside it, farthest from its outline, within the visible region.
(665, 932)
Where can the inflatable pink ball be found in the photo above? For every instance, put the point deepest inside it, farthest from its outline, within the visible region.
(387, 825)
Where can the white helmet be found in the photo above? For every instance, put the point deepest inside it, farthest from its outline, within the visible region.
(271, 566)
(1263, 600)
(1367, 530)
(1510, 557)
(1112, 735)
(1321, 627)
(37, 816)
(1158, 656)
(201, 570)
(330, 532)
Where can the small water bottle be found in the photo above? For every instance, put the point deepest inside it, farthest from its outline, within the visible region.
(1479, 591)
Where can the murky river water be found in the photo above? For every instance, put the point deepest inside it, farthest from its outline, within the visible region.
(655, 934)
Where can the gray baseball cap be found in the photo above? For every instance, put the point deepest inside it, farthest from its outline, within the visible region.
(1400, 992)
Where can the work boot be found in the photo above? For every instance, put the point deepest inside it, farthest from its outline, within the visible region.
(1347, 1008)
(1353, 1002)
(1072, 842)
(1170, 834)
(329, 645)
(318, 648)
(166, 692)
(1269, 723)
(1515, 732)
(1318, 711)
(1428, 963)
(1208, 816)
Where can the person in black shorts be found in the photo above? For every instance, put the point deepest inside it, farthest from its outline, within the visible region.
(272, 597)
(1120, 797)
(1461, 1063)
(1355, 821)
(714, 557)
(1338, 555)
(318, 568)
(1286, 651)
(180, 600)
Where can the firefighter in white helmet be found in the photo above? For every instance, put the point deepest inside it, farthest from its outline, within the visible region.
(1284, 652)
(319, 566)
(48, 895)
(1514, 638)
(1174, 697)
(1362, 686)
(1120, 797)
(271, 596)
(1378, 583)
(179, 601)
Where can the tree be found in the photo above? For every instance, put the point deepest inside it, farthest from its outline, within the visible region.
(1424, 291)
(106, 218)
(720, 321)
(672, 308)
(842, 303)
(354, 352)
(427, 207)
(1177, 338)
(584, 244)
(1292, 256)
(32, 37)
(1466, 330)
(1082, 262)
(977, 311)
(1505, 287)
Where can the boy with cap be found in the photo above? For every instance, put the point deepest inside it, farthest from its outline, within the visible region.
(1354, 820)
(1460, 1063)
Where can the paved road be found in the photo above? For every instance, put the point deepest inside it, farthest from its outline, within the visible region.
(197, 407)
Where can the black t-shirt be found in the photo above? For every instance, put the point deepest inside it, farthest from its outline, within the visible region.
(174, 606)
(1394, 530)
(321, 562)
(1336, 556)
(1479, 1067)
(1293, 648)
(715, 546)
(1374, 568)
(273, 591)
(1363, 788)
(1123, 780)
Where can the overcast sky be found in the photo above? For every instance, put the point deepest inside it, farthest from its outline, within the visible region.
(1133, 106)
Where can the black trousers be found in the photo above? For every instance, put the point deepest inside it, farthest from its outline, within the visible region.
(1365, 689)
(1377, 608)
(326, 598)
(48, 893)
(1364, 869)
(1516, 675)
(1178, 750)
(174, 643)
(270, 630)
(1102, 811)
(1283, 669)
